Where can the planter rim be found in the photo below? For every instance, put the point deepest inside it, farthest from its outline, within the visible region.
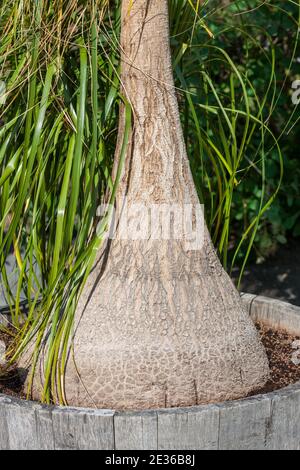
(280, 314)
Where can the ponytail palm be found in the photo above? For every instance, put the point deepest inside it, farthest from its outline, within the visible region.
(58, 146)
(157, 324)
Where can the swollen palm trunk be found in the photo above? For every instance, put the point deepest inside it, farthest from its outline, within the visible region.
(159, 323)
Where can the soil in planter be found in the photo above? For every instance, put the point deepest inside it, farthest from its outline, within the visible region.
(280, 352)
(278, 345)
(10, 381)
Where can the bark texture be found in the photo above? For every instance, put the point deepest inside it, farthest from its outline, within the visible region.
(159, 325)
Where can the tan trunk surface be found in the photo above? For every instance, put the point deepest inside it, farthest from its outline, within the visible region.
(159, 325)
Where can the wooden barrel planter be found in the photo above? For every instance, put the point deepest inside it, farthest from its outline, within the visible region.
(269, 421)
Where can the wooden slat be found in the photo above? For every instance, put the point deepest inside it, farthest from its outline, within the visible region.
(136, 431)
(4, 437)
(21, 425)
(83, 429)
(284, 426)
(244, 423)
(273, 312)
(45, 428)
(190, 428)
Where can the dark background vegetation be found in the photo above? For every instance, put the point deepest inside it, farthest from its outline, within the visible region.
(252, 33)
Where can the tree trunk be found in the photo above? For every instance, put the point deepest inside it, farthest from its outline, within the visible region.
(160, 323)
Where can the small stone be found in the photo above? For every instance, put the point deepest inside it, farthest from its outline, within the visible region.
(296, 354)
(2, 353)
(296, 344)
(295, 359)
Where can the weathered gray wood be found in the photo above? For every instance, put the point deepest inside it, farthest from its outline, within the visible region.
(273, 312)
(21, 425)
(247, 300)
(4, 437)
(243, 424)
(81, 429)
(188, 429)
(269, 421)
(284, 427)
(45, 428)
(136, 431)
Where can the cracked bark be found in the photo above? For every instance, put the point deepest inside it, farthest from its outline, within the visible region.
(162, 325)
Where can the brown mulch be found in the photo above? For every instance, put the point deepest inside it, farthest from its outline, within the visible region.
(10, 382)
(278, 345)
